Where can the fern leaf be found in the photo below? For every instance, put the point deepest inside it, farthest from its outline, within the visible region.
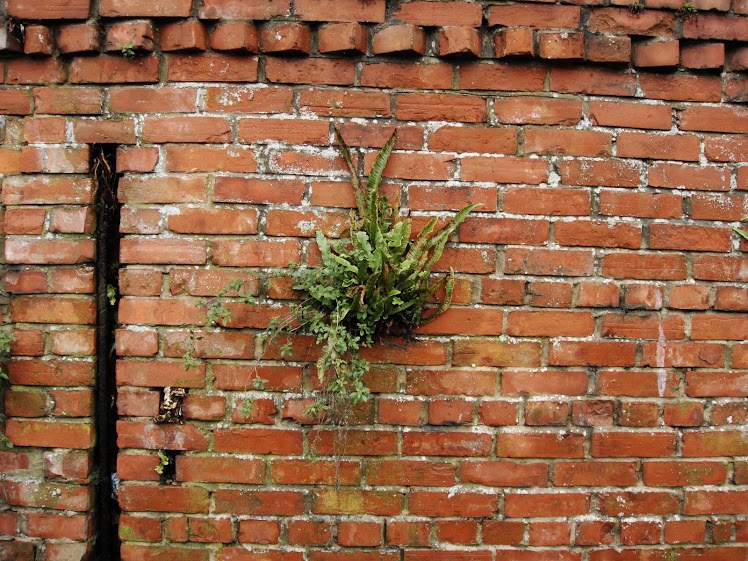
(741, 232)
(449, 290)
(355, 180)
(375, 176)
(421, 240)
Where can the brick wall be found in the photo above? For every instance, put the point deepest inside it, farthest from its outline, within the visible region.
(583, 400)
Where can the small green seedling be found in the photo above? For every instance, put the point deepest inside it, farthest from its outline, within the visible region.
(163, 462)
(128, 49)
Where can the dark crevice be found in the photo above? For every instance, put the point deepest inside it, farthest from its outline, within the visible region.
(103, 168)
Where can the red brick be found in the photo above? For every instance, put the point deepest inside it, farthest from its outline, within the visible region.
(54, 9)
(285, 38)
(135, 434)
(591, 173)
(432, 197)
(705, 26)
(598, 234)
(186, 129)
(498, 413)
(546, 504)
(681, 88)
(308, 532)
(621, 21)
(534, 15)
(549, 533)
(503, 77)
(186, 158)
(503, 532)
(400, 39)
(403, 472)
(539, 324)
(34, 71)
(561, 45)
(310, 71)
(540, 445)
(211, 68)
(442, 504)
(657, 54)
(539, 383)
(445, 14)
(689, 297)
(570, 353)
(594, 533)
(644, 205)
(608, 48)
(685, 531)
(701, 57)
(49, 434)
(138, 552)
(508, 292)
(240, 9)
(138, 35)
(79, 38)
(446, 444)
(594, 82)
(380, 503)
(537, 111)
(15, 102)
(504, 170)
(342, 37)
(133, 498)
(114, 69)
(183, 36)
(359, 534)
(234, 36)
(257, 531)
(631, 115)
(670, 147)
(460, 41)
(719, 119)
(514, 42)
(344, 103)
(440, 107)
(683, 473)
(38, 40)
(71, 100)
(548, 262)
(714, 206)
(53, 526)
(337, 10)
(140, 8)
(716, 502)
(568, 142)
(684, 354)
(639, 532)
(724, 148)
(104, 132)
(689, 238)
(595, 474)
(416, 534)
(496, 353)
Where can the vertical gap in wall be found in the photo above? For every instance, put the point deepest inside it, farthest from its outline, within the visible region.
(104, 169)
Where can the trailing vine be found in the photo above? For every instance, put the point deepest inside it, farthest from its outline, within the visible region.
(374, 283)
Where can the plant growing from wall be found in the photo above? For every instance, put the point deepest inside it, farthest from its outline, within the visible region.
(6, 338)
(377, 282)
(687, 11)
(740, 231)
